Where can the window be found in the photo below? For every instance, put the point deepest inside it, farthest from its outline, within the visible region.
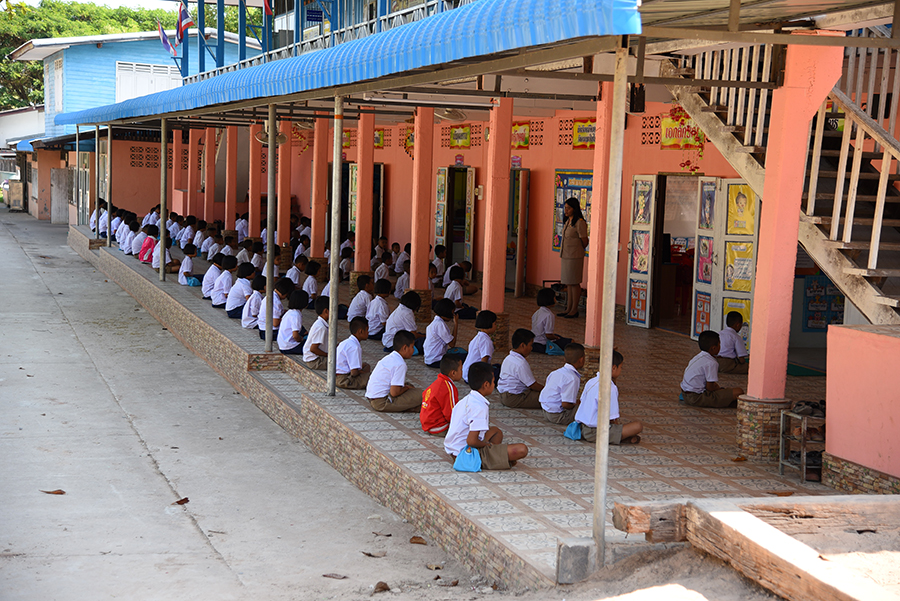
(58, 85)
(138, 79)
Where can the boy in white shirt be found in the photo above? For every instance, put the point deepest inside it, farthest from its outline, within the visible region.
(403, 318)
(467, 286)
(243, 227)
(517, 386)
(401, 259)
(559, 398)
(311, 284)
(258, 258)
(439, 335)
(250, 312)
(360, 303)
(172, 265)
(129, 236)
(295, 273)
(187, 234)
(291, 330)
(223, 283)
(733, 357)
(387, 389)
(186, 271)
(210, 277)
(700, 385)
(240, 292)
(402, 281)
(395, 252)
(229, 246)
(346, 265)
(470, 425)
(215, 246)
(377, 313)
(481, 347)
(315, 350)
(440, 251)
(384, 270)
(543, 322)
(454, 292)
(138, 241)
(351, 372)
(243, 255)
(378, 252)
(283, 290)
(586, 414)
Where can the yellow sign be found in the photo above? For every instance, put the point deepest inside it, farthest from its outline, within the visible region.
(738, 266)
(521, 134)
(679, 133)
(409, 142)
(379, 138)
(461, 136)
(741, 210)
(345, 139)
(584, 133)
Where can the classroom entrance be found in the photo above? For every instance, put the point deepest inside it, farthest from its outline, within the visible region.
(349, 195)
(454, 212)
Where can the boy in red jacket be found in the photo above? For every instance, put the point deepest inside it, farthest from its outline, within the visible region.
(439, 399)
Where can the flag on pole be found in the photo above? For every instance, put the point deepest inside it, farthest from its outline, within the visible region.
(267, 7)
(165, 40)
(184, 22)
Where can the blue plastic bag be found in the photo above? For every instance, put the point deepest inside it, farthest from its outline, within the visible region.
(573, 432)
(554, 350)
(192, 281)
(468, 460)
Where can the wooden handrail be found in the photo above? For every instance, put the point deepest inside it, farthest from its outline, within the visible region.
(869, 125)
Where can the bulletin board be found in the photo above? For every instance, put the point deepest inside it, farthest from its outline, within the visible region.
(570, 183)
(823, 304)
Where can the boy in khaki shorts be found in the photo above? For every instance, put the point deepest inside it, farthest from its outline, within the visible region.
(700, 386)
(586, 415)
(351, 373)
(387, 389)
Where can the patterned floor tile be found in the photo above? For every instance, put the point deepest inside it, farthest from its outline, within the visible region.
(528, 490)
(538, 540)
(510, 476)
(512, 523)
(487, 508)
(542, 504)
(649, 486)
(454, 479)
(571, 521)
(468, 493)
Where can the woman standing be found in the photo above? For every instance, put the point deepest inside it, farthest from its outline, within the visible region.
(571, 254)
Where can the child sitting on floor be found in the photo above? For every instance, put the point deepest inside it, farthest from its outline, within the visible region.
(291, 330)
(402, 281)
(454, 292)
(378, 312)
(241, 290)
(224, 282)
(128, 237)
(700, 385)
(250, 312)
(283, 289)
(481, 347)
(439, 335)
(311, 284)
(185, 272)
(244, 255)
(439, 399)
(440, 251)
(351, 372)
(346, 265)
(384, 270)
(544, 321)
(211, 275)
(172, 265)
(733, 357)
(360, 303)
(403, 318)
(315, 350)
(467, 286)
(559, 398)
(217, 246)
(387, 389)
(517, 386)
(586, 415)
(145, 252)
(296, 272)
(326, 291)
(258, 257)
(470, 425)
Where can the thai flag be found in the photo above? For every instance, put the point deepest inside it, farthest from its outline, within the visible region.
(184, 22)
(165, 40)
(268, 8)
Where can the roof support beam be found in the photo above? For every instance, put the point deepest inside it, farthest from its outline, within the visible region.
(665, 81)
(734, 15)
(749, 37)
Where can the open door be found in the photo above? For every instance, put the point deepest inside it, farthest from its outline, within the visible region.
(353, 197)
(470, 211)
(640, 250)
(707, 266)
(440, 208)
(454, 212)
(517, 228)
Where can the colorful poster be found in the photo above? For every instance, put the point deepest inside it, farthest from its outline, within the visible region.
(702, 308)
(640, 252)
(570, 183)
(707, 205)
(741, 210)
(679, 132)
(409, 142)
(345, 139)
(584, 133)
(643, 197)
(637, 302)
(461, 136)
(704, 259)
(300, 138)
(440, 206)
(742, 306)
(823, 304)
(738, 266)
(521, 135)
(379, 138)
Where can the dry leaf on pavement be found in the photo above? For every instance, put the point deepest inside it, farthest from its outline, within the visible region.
(380, 587)
(434, 566)
(58, 491)
(418, 540)
(335, 576)
(375, 554)
(181, 501)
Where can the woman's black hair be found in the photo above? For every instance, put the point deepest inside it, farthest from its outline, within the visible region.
(576, 209)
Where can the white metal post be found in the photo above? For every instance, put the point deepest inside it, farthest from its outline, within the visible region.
(336, 173)
(270, 228)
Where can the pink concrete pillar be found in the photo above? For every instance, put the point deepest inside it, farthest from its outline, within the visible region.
(319, 202)
(810, 73)
(175, 179)
(422, 206)
(496, 215)
(284, 185)
(254, 162)
(597, 238)
(365, 143)
(193, 174)
(209, 194)
(231, 153)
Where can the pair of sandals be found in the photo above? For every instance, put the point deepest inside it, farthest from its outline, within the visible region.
(812, 434)
(810, 408)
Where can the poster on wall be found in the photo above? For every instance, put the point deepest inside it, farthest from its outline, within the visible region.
(409, 142)
(707, 205)
(702, 307)
(521, 135)
(379, 138)
(704, 259)
(643, 195)
(742, 306)
(440, 206)
(741, 210)
(679, 132)
(637, 302)
(584, 133)
(570, 183)
(345, 139)
(640, 252)
(461, 136)
(823, 304)
(738, 266)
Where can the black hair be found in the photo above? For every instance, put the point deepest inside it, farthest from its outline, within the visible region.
(450, 362)
(228, 239)
(707, 340)
(229, 262)
(321, 305)
(576, 209)
(246, 243)
(363, 281)
(573, 352)
(403, 339)
(411, 300)
(444, 308)
(313, 268)
(734, 318)
(285, 286)
(407, 248)
(245, 270)
(485, 320)
(217, 237)
(301, 259)
(457, 273)
(440, 248)
(351, 235)
(302, 238)
(466, 266)
(386, 257)
(201, 224)
(152, 230)
(546, 297)
(358, 324)
(383, 286)
(257, 247)
(134, 226)
(259, 283)
(617, 358)
(218, 258)
(520, 337)
(298, 300)
(480, 373)
(347, 253)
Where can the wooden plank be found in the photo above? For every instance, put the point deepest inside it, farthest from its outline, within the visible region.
(814, 515)
(751, 106)
(659, 521)
(879, 210)
(872, 273)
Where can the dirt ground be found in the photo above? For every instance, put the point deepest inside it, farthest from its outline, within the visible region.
(874, 555)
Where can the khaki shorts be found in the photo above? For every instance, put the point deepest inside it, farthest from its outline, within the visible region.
(615, 433)
(317, 363)
(494, 457)
(720, 398)
(731, 366)
(530, 399)
(357, 382)
(411, 400)
(564, 417)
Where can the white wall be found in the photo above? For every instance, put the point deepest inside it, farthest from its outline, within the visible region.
(16, 124)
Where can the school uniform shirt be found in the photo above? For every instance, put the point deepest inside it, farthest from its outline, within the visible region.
(561, 387)
(359, 305)
(311, 287)
(251, 310)
(116, 223)
(301, 250)
(390, 371)
(209, 280)
(515, 374)
(305, 231)
(381, 273)
(346, 244)
(277, 311)
(346, 267)
(290, 323)
(221, 288)
(199, 239)
(259, 262)
(93, 220)
(401, 319)
(120, 231)
(454, 292)
(174, 230)
(169, 222)
(326, 291)
(377, 314)
(376, 257)
(439, 265)
(437, 337)
(402, 285)
(471, 414)
(187, 266)
(104, 222)
(127, 241)
(703, 368)
(243, 256)
(186, 235)
(542, 323)
(438, 401)
(349, 355)
(318, 334)
(212, 250)
(731, 344)
(587, 410)
(447, 275)
(156, 252)
(295, 275)
(238, 294)
(227, 250)
(243, 229)
(155, 218)
(401, 258)
(481, 346)
(328, 255)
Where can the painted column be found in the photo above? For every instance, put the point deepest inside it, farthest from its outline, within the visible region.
(177, 181)
(193, 174)
(319, 202)
(255, 183)
(365, 158)
(496, 219)
(810, 74)
(422, 218)
(209, 194)
(231, 153)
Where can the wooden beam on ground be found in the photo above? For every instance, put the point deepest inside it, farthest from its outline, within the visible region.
(817, 515)
(658, 521)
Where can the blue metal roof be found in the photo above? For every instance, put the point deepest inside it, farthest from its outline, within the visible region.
(481, 28)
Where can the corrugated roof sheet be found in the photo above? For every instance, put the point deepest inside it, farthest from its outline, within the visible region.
(478, 29)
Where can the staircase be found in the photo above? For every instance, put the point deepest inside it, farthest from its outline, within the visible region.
(850, 220)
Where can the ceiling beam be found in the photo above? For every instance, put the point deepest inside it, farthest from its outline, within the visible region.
(748, 37)
(665, 81)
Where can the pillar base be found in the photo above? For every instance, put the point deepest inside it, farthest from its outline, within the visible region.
(354, 275)
(501, 335)
(232, 233)
(323, 271)
(591, 362)
(758, 427)
(424, 314)
(285, 258)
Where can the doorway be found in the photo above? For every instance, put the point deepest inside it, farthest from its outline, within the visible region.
(675, 249)
(454, 211)
(349, 195)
